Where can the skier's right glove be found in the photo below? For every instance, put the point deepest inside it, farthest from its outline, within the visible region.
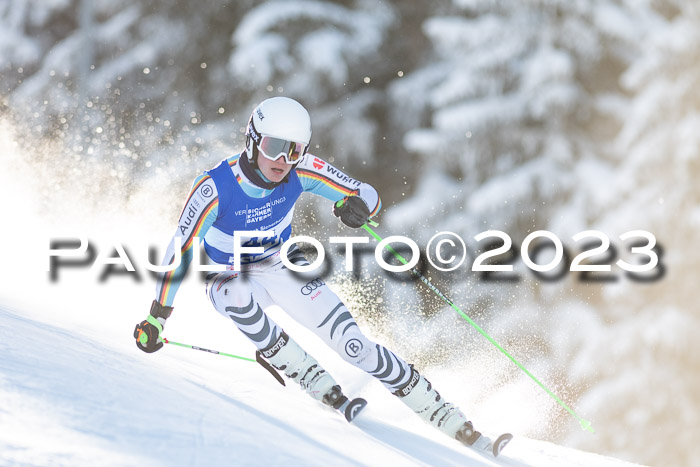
(147, 332)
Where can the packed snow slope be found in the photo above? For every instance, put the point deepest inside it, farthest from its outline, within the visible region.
(70, 398)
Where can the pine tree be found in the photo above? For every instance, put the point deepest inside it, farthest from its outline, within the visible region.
(519, 105)
(651, 326)
(123, 83)
(325, 54)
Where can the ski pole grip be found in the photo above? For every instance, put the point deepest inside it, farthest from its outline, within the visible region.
(339, 204)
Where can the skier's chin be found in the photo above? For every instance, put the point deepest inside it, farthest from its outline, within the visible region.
(276, 175)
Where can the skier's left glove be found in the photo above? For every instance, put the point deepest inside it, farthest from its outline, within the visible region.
(147, 332)
(352, 210)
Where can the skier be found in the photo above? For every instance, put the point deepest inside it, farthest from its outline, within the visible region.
(256, 190)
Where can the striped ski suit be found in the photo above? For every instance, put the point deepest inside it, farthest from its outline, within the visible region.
(222, 201)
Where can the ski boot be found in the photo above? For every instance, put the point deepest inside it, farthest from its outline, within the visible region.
(286, 355)
(425, 401)
(419, 395)
(303, 369)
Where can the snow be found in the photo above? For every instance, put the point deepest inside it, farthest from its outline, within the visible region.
(70, 397)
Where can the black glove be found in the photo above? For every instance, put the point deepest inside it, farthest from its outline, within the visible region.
(353, 211)
(147, 332)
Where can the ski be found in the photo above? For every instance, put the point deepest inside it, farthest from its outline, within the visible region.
(500, 443)
(348, 407)
(471, 438)
(351, 407)
(485, 444)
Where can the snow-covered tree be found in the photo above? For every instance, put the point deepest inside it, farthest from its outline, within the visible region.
(138, 86)
(511, 101)
(130, 85)
(327, 55)
(517, 109)
(651, 329)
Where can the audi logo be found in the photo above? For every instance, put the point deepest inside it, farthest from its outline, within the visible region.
(311, 286)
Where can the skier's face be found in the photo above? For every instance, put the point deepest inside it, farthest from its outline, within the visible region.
(275, 171)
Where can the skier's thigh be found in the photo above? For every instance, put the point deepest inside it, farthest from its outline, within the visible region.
(313, 304)
(235, 290)
(306, 299)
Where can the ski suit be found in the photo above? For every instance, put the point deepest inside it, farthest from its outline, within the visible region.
(224, 200)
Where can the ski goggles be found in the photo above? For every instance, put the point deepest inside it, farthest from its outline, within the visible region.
(274, 148)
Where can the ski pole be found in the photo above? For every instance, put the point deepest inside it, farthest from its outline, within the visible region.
(258, 357)
(585, 424)
(194, 347)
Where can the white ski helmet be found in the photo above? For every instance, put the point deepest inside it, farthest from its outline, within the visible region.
(278, 127)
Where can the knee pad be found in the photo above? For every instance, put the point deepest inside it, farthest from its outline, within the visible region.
(229, 289)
